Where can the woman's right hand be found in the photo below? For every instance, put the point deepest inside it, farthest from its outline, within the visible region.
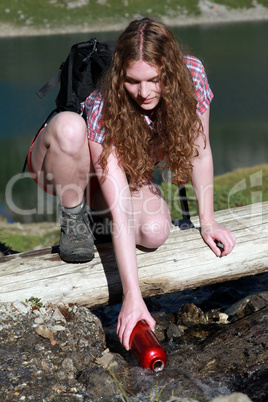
(133, 310)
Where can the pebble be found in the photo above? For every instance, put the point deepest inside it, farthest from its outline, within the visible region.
(57, 328)
(61, 375)
(223, 319)
(39, 348)
(39, 320)
(173, 331)
(68, 365)
(43, 331)
(58, 316)
(235, 397)
(22, 308)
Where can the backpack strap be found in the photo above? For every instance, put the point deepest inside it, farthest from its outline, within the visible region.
(56, 79)
(184, 202)
(92, 43)
(50, 84)
(185, 222)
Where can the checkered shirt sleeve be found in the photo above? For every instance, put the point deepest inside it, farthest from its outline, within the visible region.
(92, 107)
(203, 92)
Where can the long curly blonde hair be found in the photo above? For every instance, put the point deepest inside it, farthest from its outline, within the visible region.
(176, 124)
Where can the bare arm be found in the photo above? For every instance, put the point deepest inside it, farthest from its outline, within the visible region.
(202, 180)
(117, 195)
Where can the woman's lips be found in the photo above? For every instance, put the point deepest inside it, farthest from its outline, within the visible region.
(147, 101)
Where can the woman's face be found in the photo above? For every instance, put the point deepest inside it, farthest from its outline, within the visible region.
(143, 85)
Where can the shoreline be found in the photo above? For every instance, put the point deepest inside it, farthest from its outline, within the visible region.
(211, 14)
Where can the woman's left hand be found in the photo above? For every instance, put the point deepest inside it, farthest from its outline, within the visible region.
(212, 233)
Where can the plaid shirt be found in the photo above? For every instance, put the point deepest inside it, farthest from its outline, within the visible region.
(93, 105)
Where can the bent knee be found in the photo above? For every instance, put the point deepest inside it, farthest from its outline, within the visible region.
(154, 233)
(69, 132)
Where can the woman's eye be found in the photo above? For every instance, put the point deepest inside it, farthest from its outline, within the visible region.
(132, 82)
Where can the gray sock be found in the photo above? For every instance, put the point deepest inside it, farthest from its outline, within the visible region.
(75, 210)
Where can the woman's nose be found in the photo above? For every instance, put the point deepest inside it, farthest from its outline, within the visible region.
(144, 89)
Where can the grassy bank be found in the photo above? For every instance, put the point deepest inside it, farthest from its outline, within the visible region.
(241, 3)
(59, 14)
(238, 188)
(14, 240)
(46, 13)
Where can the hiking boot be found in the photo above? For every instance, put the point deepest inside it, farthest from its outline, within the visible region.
(76, 238)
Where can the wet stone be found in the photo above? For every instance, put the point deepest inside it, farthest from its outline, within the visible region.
(248, 305)
(173, 331)
(68, 365)
(190, 314)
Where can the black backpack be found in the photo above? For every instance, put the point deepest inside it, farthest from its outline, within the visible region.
(79, 74)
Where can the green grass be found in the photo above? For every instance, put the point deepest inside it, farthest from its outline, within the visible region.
(19, 242)
(240, 3)
(57, 13)
(61, 13)
(238, 188)
(235, 3)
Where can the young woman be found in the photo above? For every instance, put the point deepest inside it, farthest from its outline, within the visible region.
(152, 105)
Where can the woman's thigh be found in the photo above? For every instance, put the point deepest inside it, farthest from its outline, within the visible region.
(64, 127)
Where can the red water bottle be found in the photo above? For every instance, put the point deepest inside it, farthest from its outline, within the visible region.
(147, 348)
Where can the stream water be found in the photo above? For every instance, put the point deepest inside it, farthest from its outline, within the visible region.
(209, 361)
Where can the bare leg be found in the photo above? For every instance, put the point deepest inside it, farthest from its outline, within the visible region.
(151, 216)
(61, 158)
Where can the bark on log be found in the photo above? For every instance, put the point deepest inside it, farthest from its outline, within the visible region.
(183, 262)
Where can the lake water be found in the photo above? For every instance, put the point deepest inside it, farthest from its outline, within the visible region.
(236, 61)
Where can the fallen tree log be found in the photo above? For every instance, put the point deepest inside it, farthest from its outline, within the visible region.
(183, 262)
